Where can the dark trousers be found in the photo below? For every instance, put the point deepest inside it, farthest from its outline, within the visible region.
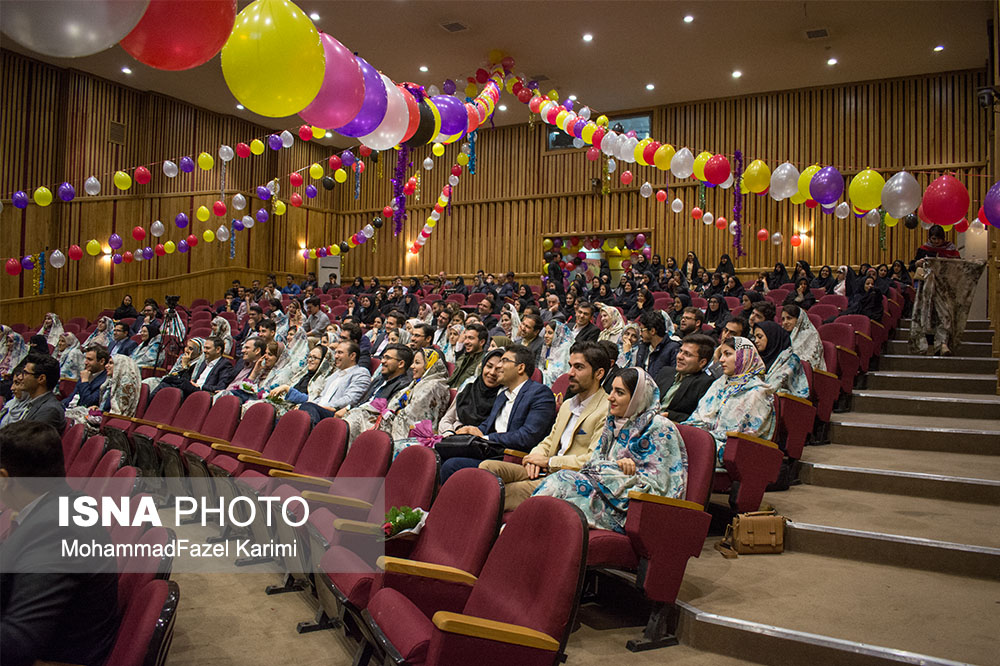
(452, 465)
(316, 413)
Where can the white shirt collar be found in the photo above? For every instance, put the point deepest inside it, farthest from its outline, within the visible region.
(512, 393)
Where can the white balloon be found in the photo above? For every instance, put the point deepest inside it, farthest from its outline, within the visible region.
(274, 186)
(92, 186)
(728, 182)
(169, 169)
(393, 126)
(872, 218)
(239, 201)
(925, 225)
(428, 230)
(585, 113)
(225, 153)
(453, 180)
(708, 218)
(776, 238)
(156, 228)
(901, 195)
(646, 190)
(57, 259)
(610, 143)
(466, 148)
(785, 180)
(248, 221)
(612, 165)
(578, 143)
(368, 231)
(677, 205)
(733, 226)
(428, 163)
(977, 227)
(682, 164)
(222, 233)
(628, 151)
(774, 195)
(137, 255)
(287, 139)
(433, 90)
(69, 29)
(435, 215)
(843, 210)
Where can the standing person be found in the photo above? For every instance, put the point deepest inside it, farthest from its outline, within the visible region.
(39, 376)
(726, 266)
(555, 273)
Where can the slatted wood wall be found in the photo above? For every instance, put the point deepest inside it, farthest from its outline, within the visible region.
(55, 123)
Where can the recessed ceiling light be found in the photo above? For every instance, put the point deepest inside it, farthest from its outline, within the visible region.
(329, 135)
(423, 68)
(502, 107)
(938, 48)
(737, 73)
(831, 61)
(587, 37)
(240, 107)
(649, 86)
(314, 16)
(688, 19)
(573, 97)
(126, 70)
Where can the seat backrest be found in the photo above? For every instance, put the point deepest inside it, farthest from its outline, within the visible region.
(815, 319)
(836, 300)
(700, 448)
(87, 458)
(255, 427)
(560, 386)
(818, 292)
(830, 357)
(698, 302)
(140, 409)
(859, 323)
(72, 440)
(776, 297)
(192, 412)
(463, 521)
(369, 455)
(534, 573)
(733, 303)
(288, 436)
(199, 301)
(222, 418)
(824, 310)
(164, 405)
(108, 464)
(135, 571)
(147, 625)
(839, 334)
(474, 299)
(411, 480)
(536, 375)
(324, 449)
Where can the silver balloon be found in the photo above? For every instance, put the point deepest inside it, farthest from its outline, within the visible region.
(872, 218)
(169, 169)
(287, 139)
(57, 259)
(776, 238)
(222, 233)
(435, 215)
(977, 227)
(843, 210)
(156, 228)
(609, 143)
(92, 186)
(578, 143)
(612, 165)
(733, 226)
(785, 180)
(646, 190)
(453, 180)
(70, 28)
(466, 148)
(682, 164)
(225, 153)
(137, 254)
(585, 113)
(368, 231)
(677, 205)
(248, 221)
(239, 201)
(728, 182)
(433, 90)
(925, 225)
(274, 186)
(774, 195)
(708, 218)
(901, 195)
(627, 149)
(428, 163)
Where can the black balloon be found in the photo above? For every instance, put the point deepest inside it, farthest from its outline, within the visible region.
(911, 221)
(618, 127)
(328, 183)
(345, 248)
(377, 223)
(425, 129)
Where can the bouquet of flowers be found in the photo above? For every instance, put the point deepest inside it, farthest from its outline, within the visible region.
(400, 520)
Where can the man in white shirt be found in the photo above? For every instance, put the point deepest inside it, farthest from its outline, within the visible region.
(317, 321)
(214, 372)
(344, 388)
(575, 434)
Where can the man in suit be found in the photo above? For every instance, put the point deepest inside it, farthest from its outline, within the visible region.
(683, 386)
(252, 351)
(344, 388)
(350, 331)
(121, 342)
(531, 334)
(585, 331)
(88, 390)
(575, 435)
(522, 414)
(147, 316)
(55, 608)
(39, 376)
(467, 363)
(214, 372)
(656, 351)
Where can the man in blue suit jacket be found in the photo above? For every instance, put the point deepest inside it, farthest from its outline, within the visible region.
(121, 342)
(522, 414)
(92, 378)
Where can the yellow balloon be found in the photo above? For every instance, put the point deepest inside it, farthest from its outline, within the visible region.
(662, 156)
(312, 254)
(315, 171)
(431, 222)
(123, 181)
(43, 196)
(279, 207)
(437, 149)
(471, 90)
(208, 235)
(334, 250)
(351, 243)
(273, 61)
(890, 221)
(699, 164)
(462, 159)
(866, 189)
(798, 198)
(947, 227)
(602, 121)
(743, 185)
(805, 178)
(496, 55)
(588, 132)
(169, 247)
(639, 148)
(202, 213)
(510, 84)
(318, 132)
(553, 95)
(206, 161)
(257, 147)
(340, 176)
(93, 248)
(757, 177)
(561, 117)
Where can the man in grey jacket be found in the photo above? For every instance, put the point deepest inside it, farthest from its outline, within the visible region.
(345, 387)
(39, 377)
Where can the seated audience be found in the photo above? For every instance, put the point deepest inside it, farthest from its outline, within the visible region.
(801, 296)
(344, 388)
(213, 373)
(87, 392)
(51, 329)
(763, 311)
(149, 315)
(38, 378)
(691, 321)
(585, 330)
(290, 288)
(682, 386)
(805, 338)
(125, 310)
(70, 357)
(102, 333)
(783, 367)
(467, 362)
(305, 383)
(121, 342)
(656, 351)
(315, 324)
(554, 357)
(530, 332)
(147, 353)
(474, 403)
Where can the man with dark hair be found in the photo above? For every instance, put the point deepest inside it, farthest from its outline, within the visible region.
(509, 287)
(56, 608)
(522, 414)
(683, 386)
(691, 320)
(310, 281)
(88, 390)
(421, 336)
(39, 376)
(611, 349)
(762, 311)
(214, 372)
(146, 316)
(575, 434)
(394, 376)
(585, 331)
(253, 350)
(351, 332)
(474, 341)
(344, 388)
(485, 310)
(737, 326)
(255, 314)
(121, 343)
(317, 321)
(290, 287)
(656, 351)
(530, 330)
(442, 319)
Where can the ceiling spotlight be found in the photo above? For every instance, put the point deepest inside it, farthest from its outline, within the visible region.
(240, 107)
(831, 61)
(688, 19)
(938, 48)
(502, 107)
(314, 16)
(649, 86)
(573, 97)
(587, 37)
(737, 73)
(329, 135)
(126, 70)
(423, 68)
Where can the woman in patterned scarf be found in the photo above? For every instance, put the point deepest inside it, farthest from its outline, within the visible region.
(13, 349)
(147, 353)
(806, 342)
(639, 450)
(70, 357)
(738, 401)
(52, 328)
(119, 394)
(102, 333)
(222, 329)
(613, 325)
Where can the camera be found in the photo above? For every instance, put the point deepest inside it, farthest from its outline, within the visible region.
(987, 96)
(172, 301)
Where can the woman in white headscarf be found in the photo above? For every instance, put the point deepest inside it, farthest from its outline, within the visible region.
(557, 340)
(102, 333)
(222, 329)
(805, 338)
(613, 325)
(119, 394)
(70, 357)
(52, 328)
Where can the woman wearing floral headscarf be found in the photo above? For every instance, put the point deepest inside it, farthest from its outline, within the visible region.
(452, 342)
(739, 401)
(784, 368)
(806, 342)
(70, 357)
(183, 367)
(102, 333)
(222, 329)
(52, 328)
(557, 339)
(639, 450)
(119, 394)
(612, 325)
(147, 353)
(629, 350)
(13, 349)
(304, 385)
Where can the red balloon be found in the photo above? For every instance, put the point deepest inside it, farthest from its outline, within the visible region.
(598, 137)
(387, 212)
(516, 87)
(696, 213)
(13, 266)
(75, 253)
(180, 34)
(296, 199)
(649, 150)
(962, 226)
(762, 235)
(661, 195)
(482, 76)
(795, 240)
(159, 250)
(456, 170)
(305, 132)
(243, 150)
(413, 109)
(552, 114)
(192, 240)
(811, 203)
(472, 117)
(921, 215)
(358, 166)
(334, 163)
(127, 257)
(438, 208)
(946, 201)
(138, 233)
(717, 169)
(295, 178)
(524, 95)
(593, 153)
(365, 151)
(219, 208)
(626, 177)
(142, 175)
(720, 223)
(626, 264)
(534, 103)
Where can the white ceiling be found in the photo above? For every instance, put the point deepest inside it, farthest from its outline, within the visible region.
(634, 43)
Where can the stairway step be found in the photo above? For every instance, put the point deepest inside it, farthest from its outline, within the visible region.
(816, 603)
(953, 434)
(913, 484)
(955, 364)
(967, 348)
(905, 380)
(974, 335)
(968, 465)
(970, 325)
(921, 403)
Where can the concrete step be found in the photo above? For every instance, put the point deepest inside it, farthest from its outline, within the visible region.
(970, 325)
(953, 364)
(974, 335)
(967, 348)
(952, 434)
(970, 465)
(907, 380)
(921, 403)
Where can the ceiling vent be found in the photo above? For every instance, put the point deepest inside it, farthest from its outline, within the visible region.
(454, 26)
(116, 132)
(818, 33)
(538, 77)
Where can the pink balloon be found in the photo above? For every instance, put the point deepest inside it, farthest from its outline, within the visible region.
(343, 90)
(640, 240)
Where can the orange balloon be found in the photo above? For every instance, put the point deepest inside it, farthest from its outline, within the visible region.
(414, 112)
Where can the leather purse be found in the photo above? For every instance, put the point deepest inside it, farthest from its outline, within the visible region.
(752, 533)
(468, 446)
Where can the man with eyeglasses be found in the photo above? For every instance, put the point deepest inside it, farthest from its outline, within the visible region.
(38, 377)
(393, 378)
(121, 343)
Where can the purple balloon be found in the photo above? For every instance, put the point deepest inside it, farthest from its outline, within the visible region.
(578, 127)
(237, 225)
(454, 117)
(66, 192)
(147, 253)
(533, 85)
(27, 264)
(373, 108)
(182, 246)
(263, 193)
(827, 185)
(311, 191)
(117, 258)
(828, 208)
(20, 199)
(448, 87)
(343, 90)
(347, 158)
(305, 254)
(181, 220)
(321, 252)
(568, 105)
(115, 241)
(991, 205)
(274, 142)
(581, 254)
(261, 215)
(186, 164)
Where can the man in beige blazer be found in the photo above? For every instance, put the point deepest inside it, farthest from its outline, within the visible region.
(575, 434)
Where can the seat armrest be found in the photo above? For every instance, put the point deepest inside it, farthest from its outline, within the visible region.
(751, 438)
(825, 373)
(849, 351)
(235, 450)
(153, 424)
(112, 415)
(864, 335)
(514, 453)
(197, 436)
(491, 630)
(339, 500)
(425, 570)
(170, 428)
(795, 398)
(878, 323)
(304, 478)
(264, 462)
(357, 527)
(636, 496)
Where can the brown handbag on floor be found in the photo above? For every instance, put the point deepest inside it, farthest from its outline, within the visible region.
(754, 532)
